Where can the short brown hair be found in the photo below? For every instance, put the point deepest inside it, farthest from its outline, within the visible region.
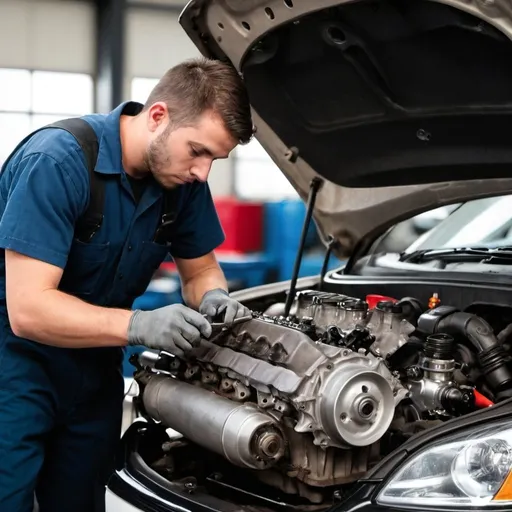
(197, 85)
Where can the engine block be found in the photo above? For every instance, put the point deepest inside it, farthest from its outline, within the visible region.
(310, 400)
(340, 396)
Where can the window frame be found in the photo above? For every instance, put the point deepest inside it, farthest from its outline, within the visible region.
(31, 112)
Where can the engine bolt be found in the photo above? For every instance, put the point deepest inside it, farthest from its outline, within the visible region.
(190, 486)
(414, 372)
(423, 135)
(270, 445)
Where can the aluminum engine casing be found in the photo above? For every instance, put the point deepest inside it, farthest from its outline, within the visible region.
(386, 321)
(306, 402)
(341, 397)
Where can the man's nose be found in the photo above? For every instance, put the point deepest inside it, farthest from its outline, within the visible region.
(201, 172)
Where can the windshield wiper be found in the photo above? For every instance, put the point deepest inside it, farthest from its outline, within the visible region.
(500, 255)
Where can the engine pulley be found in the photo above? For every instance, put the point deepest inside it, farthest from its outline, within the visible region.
(357, 403)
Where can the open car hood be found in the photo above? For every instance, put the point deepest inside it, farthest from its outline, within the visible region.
(399, 106)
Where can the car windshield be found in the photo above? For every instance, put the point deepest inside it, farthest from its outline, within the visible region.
(480, 223)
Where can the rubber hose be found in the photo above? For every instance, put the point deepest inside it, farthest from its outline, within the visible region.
(494, 361)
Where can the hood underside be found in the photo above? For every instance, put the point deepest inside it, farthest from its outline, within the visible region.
(399, 106)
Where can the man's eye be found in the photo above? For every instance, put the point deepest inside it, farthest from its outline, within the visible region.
(194, 153)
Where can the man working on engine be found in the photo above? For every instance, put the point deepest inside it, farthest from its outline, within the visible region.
(66, 289)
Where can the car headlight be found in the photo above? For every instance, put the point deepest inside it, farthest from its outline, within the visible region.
(469, 469)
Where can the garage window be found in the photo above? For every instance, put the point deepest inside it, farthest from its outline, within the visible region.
(141, 87)
(30, 99)
(257, 178)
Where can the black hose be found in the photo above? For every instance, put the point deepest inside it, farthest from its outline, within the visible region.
(476, 329)
(411, 309)
(494, 361)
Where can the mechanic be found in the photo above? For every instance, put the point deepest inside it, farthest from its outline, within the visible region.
(65, 299)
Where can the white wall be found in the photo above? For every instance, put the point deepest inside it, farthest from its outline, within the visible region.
(52, 35)
(154, 42)
(47, 61)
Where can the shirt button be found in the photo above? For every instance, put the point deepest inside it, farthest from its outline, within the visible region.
(120, 276)
(130, 247)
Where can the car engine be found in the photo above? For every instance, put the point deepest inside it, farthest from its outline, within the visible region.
(317, 398)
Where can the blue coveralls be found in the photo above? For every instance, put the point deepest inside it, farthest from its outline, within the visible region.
(60, 409)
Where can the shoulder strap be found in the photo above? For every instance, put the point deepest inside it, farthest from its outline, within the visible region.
(170, 210)
(91, 221)
(169, 213)
(85, 135)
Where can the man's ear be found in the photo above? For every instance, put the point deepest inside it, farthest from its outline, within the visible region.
(158, 115)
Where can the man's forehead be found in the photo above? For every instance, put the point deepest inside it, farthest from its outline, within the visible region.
(213, 149)
(213, 139)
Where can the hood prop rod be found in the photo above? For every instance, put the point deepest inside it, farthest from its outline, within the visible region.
(314, 187)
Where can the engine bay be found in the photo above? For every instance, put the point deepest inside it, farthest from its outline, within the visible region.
(308, 403)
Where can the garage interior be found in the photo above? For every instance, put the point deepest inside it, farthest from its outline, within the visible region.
(409, 336)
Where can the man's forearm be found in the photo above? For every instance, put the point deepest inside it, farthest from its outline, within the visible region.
(55, 318)
(194, 289)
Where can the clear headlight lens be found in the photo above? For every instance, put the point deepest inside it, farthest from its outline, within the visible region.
(468, 470)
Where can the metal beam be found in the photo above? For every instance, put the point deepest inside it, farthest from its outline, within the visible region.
(110, 53)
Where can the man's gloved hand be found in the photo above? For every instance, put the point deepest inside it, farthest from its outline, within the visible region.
(174, 328)
(217, 301)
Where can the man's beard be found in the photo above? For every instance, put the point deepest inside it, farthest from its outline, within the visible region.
(157, 157)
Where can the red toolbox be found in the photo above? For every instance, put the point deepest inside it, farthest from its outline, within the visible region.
(242, 223)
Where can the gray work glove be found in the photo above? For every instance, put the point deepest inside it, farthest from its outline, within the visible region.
(175, 329)
(217, 301)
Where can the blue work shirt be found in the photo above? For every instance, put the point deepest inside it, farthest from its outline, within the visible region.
(44, 190)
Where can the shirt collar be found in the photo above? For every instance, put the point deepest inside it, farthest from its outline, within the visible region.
(110, 159)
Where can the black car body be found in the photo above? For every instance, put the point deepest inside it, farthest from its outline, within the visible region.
(385, 384)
